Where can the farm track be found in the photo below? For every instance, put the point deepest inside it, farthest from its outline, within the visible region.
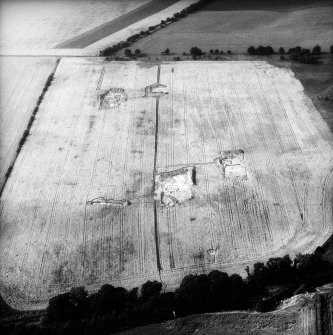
(82, 152)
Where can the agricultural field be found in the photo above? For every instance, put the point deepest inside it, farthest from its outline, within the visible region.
(22, 80)
(264, 201)
(137, 171)
(118, 25)
(79, 151)
(236, 28)
(33, 25)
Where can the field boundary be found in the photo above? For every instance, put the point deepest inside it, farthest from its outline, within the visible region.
(26, 133)
(91, 36)
(158, 261)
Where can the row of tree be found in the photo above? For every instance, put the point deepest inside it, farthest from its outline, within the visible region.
(109, 51)
(195, 51)
(260, 50)
(306, 56)
(112, 309)
(297, 54)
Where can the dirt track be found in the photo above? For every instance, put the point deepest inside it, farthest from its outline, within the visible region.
(108, 28)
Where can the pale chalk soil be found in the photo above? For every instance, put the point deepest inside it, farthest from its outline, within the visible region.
(262, 186)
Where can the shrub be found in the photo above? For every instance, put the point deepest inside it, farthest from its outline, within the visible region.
(229, 52)
(137, 51)
(195, 51)
(128, 52)
(266, 305)
(281, 51)
(282, 57)
(216, 51)
(150, 288)
(10, 169)
(107, 52)
(294, 50)
(331, 49)
(309, 59)
(251, 50)
(211, 51)
(316, 50)
(264, 51)
(304, 55)
(304, 52)
(166, 51)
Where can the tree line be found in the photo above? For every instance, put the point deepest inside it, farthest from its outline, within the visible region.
(298, 54)
(112, 309)
(109, 51)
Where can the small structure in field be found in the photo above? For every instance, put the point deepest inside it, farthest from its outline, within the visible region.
(156, 89)
(174, 187)
(232, 164)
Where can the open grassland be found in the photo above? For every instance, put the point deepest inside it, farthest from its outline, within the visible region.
(27, 24)
(241, 158)
(236, 30)
(21, 83)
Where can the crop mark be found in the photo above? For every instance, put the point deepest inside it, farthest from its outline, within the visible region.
(100, 80)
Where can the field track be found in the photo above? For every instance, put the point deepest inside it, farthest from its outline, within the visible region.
(81, 148)
(111, 27)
